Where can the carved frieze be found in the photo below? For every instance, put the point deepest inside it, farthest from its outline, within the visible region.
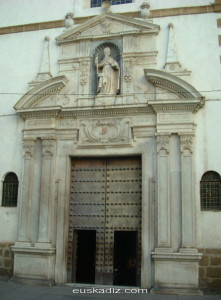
(39, 123)
(105, 132)
(174, 118)
(67, 123)
(144, 120)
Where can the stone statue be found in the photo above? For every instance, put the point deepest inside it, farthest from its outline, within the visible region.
(108, 72)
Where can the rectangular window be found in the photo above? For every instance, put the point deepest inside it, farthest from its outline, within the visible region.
(97, 3)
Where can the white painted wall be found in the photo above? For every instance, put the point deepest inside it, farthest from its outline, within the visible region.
(198, 51)
(17, 12)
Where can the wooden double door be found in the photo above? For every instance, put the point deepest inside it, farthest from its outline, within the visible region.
(105, 221)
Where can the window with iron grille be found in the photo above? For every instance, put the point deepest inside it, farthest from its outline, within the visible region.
(10, 190)
(210, 191)
(97, 3)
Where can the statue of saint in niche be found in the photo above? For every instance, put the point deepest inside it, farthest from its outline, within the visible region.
(108, 72)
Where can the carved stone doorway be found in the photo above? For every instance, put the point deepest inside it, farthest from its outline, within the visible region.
(105, 198)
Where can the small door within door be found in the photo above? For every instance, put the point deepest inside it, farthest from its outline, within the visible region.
(125, 258)
(85, 256)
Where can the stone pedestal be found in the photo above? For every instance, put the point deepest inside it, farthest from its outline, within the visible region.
(176, 273)
(34, 265)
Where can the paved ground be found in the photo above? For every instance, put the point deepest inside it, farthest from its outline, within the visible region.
(13, 291)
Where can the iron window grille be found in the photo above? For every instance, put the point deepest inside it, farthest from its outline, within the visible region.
(210, 191)
(97, 3)
(10, 190)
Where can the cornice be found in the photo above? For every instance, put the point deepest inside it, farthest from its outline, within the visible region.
(110, 111)
(189, 105)
(74, 112)
(42, 112)
(40, 92)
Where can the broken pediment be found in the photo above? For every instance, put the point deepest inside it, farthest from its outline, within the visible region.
(173, 93)
(172, 84)
(107, 24)
(41, 92)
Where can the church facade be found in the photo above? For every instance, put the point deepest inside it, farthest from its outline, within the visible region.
(116, 166)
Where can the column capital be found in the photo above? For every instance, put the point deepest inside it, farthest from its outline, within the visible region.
(163, 143)
(28, 147)
(186, 143)
(48, 146)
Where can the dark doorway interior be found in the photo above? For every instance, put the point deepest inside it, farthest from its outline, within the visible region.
(125, 258)
(86, 253)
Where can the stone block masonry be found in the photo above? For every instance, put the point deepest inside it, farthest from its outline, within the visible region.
(6, 260)
(210, 269)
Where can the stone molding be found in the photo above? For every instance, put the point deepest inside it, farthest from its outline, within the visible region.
(176, 256)
(174, 105)
(34, 250)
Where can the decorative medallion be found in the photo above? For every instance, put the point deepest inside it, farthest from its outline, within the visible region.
(109, 131)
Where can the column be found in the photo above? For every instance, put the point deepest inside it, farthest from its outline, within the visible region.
(26, 197)
(163, 194)
(46, 195)
(187, 184)
(147, 230)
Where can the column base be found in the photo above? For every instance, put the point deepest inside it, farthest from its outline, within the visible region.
(163, 250)
(23, 244)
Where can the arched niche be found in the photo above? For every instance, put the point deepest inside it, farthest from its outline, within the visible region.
(99, 51)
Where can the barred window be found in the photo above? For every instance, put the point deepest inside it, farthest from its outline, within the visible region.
(210, 191)
(10, 190)
(97, 3)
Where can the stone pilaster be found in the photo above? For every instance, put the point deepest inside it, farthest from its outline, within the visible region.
(26, 198)
(46, 201)
(187, 190)
(163, 194)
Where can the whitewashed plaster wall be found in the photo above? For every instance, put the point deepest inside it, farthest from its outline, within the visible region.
(50, 10)
(198, 51)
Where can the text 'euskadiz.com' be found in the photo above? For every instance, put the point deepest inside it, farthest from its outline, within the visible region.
(109, 291)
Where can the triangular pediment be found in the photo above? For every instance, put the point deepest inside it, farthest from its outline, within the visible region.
(107, 24)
